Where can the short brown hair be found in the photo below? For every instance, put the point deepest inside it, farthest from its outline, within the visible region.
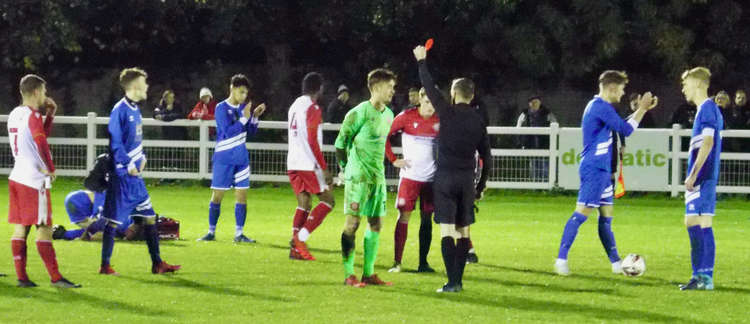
(128, 75)
(700, 73)
(464, 87)
(29, 83)
(613, 77)
(379, 75)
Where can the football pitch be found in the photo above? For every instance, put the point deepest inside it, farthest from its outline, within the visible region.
(516, 237)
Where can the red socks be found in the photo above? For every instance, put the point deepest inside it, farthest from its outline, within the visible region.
(47, 252)
(300, 216)
(19, 257)
(317, 215)
(399, 237)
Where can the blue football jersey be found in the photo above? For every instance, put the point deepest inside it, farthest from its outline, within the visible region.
(79, 206)
(708, 122)
(231, 134)
(126, 136)
(599, 120)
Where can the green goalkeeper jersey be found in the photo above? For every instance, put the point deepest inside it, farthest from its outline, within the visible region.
(363, 134)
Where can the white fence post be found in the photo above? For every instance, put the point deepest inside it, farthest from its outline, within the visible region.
(90, 139)
(676, 148)
(203, 151)
(554, 132)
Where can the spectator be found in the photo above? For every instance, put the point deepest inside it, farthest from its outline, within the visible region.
(684, 116)
(337, 109)
(740, 105)
(205, 107)
(536, 115)
(168, 111)
(648, 119)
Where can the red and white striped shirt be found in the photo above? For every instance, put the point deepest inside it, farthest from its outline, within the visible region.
(305, 136)
(28, 142)
(417, 142)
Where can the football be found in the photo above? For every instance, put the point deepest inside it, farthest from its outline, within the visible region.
(633, 265)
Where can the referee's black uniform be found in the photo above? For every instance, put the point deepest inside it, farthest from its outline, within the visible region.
(463, 132)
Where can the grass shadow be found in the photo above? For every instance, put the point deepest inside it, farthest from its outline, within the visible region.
(178, 282)
(641, 281)
(599, 312)
(77, 295)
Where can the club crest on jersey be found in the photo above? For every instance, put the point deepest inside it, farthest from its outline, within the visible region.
(138, 129)
(436, 127)
(416, 124)
(131, 118)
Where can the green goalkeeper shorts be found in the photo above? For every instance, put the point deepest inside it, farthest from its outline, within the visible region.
(364, 199)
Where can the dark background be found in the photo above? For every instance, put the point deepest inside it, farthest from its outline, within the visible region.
(512, 49)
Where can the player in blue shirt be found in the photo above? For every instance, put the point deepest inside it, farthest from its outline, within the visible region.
(703, 173)
(231, 163)
(596, 191)
(84, 209)
(127, 196)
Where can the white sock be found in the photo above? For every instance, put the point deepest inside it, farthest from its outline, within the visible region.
(303, 234)
(238, 232)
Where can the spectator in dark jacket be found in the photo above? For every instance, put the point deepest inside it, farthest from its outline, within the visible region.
(741, 106)
(338, 107)
(167, 111)
(684, 115)
(536, 115)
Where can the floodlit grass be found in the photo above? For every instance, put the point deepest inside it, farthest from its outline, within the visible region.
(516, 238)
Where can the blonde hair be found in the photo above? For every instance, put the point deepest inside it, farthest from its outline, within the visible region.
(700, 73)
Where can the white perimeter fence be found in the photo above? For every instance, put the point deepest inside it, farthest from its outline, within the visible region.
(655, 159)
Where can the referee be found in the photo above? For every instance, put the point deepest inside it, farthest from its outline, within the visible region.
(463, 132)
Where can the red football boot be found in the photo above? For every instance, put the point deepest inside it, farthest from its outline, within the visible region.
(353, 282)
(107, 270)
(164, 267)
(375, 281)
(301, 248)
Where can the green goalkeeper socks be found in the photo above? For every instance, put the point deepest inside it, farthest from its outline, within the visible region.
(347, 251)
(372, 241)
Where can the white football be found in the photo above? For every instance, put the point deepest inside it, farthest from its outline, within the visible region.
(633, 265)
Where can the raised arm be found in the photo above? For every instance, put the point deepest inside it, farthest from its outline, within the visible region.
(226, 122)
(441, 106)
(38, 133)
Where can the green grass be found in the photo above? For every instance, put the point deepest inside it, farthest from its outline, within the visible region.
(516, 238)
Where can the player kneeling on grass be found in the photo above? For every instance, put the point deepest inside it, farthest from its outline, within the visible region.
(84, 207)
(600, 122)
(419, 128)
(231, 163)
(360, 150)
(306, 167)
(703, 173)
(127, 196)
(31, 178)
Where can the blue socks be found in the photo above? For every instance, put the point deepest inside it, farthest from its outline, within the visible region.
(709, 252)
(213, 216)
(240, 213)
(72, 234)
(108, 243)
(696, 248)
(569, 234)
(608, 238)
(152, 240)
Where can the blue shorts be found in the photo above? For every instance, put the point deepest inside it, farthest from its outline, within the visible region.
(596, 189)
(702, 201)
(228, 176)
(127, 198)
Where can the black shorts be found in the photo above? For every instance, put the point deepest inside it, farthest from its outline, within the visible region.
(454, 197)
